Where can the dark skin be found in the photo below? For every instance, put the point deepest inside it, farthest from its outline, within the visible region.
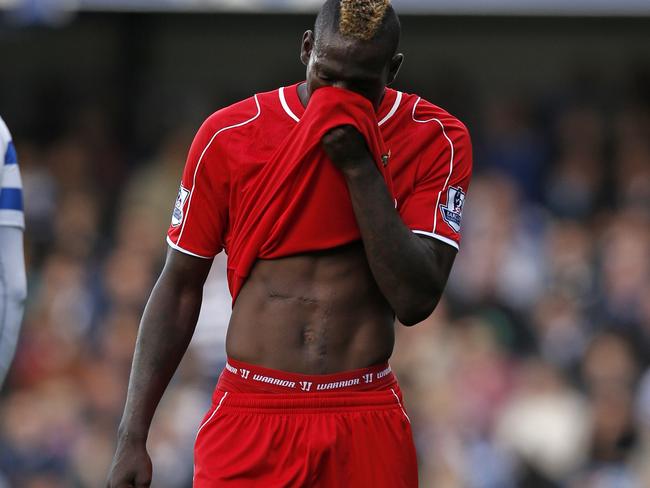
(315, 313)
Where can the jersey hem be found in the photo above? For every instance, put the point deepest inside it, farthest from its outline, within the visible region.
(446, 240)
(185, 251)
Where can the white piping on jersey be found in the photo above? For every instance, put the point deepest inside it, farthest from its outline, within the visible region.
(286, 107)
(185, 251)
(393, 110)
(198, 164)
(451, 161)
(398, 100)
(444, 239)
(400, 405)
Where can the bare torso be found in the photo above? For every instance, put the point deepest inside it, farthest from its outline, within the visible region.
(315, 313)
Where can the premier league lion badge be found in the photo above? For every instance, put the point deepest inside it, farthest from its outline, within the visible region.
(177, 216)
(452, 211)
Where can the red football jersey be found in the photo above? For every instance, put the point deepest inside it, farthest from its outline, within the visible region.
(430, 167)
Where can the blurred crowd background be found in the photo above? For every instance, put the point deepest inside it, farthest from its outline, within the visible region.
(535, 369)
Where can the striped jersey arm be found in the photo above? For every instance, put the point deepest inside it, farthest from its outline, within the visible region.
(11, 188)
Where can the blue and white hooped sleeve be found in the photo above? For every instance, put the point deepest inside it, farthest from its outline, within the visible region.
(11, 188)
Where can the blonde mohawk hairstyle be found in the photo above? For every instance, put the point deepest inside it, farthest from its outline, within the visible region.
(361, 19)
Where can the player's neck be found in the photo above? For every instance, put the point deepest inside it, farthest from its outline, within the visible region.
(303, 94)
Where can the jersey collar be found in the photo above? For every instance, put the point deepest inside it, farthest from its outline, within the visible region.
(293, 107)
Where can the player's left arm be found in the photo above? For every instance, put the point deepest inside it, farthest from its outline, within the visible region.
(410, 269)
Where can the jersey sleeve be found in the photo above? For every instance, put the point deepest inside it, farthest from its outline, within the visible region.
(200, 214)
(435, 206)
(11, 187)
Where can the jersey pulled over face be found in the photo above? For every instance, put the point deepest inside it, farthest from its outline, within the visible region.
(429, 163)
(11, 190)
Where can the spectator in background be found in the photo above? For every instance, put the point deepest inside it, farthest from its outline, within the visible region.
(13, 282)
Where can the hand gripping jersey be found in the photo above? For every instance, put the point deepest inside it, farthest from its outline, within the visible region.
(11, 193)
(258, 184)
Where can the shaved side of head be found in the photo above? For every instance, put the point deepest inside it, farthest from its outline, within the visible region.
(363, 20)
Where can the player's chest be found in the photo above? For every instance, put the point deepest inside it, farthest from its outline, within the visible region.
(249, 167)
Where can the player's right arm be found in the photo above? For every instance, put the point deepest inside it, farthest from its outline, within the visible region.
(165, 332)
(195, 237)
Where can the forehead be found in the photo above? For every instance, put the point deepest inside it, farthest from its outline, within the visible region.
(351, 56)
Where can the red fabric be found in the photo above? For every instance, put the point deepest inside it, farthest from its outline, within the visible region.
(239, 193)
(291, 196)
(316, 440)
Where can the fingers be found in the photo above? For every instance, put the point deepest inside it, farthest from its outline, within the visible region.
(133, 481)
(143, 481)
(131, 468)
(343, 130)
(120, 484)
(344, 138)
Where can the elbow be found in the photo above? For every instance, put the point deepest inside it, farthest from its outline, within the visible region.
(414, 317)
(414, 313)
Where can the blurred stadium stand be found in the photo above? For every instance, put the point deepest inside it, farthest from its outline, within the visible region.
(533, 372)
(473, 7)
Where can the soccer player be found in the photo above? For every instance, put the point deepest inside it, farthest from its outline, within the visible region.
(339, 203)
(13, 282)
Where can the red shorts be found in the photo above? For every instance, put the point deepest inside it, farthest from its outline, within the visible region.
(272, 429)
